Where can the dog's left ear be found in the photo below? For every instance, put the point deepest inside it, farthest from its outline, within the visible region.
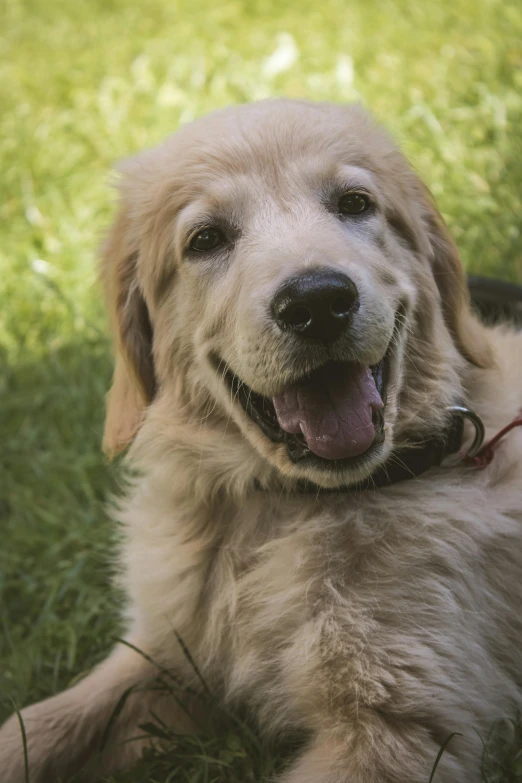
(134, 380)
(468, 333)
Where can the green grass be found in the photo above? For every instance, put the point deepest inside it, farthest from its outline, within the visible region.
(83, 83)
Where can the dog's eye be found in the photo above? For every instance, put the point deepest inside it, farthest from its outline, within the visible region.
(207, 239)
(354, 204)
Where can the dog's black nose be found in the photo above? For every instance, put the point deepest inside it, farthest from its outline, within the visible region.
(318, 304)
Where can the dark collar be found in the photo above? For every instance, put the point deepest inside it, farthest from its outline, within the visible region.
(407, 463)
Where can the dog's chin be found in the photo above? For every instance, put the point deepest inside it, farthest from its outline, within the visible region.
(348, 473)
(290, 452)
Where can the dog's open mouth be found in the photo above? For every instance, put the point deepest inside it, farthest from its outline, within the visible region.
(333, 415)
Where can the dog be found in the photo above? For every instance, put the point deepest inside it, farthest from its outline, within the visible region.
(297, 364)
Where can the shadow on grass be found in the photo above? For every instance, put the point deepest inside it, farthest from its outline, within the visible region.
(57, 610)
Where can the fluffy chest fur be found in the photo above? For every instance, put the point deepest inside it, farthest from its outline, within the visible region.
(395, 600)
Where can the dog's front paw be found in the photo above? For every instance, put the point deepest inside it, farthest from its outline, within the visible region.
(12, 757)
(45, 752)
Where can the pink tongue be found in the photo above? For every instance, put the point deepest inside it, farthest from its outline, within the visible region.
(333, 409)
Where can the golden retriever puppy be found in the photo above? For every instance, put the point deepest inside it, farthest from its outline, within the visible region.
(293, 332)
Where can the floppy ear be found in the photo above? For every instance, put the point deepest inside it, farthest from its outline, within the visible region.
(468, 333)
(134, 380)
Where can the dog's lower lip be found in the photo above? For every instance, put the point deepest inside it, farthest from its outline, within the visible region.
(261, 411)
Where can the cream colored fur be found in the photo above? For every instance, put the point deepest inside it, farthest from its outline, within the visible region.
(381, 621)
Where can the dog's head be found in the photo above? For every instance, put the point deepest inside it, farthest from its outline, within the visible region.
(278, 274)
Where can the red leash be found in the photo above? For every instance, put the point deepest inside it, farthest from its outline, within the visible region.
(487, 452)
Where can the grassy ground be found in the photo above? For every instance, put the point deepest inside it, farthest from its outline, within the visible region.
(84, 83)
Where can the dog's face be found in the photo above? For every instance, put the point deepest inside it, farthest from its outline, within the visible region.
(279, 266)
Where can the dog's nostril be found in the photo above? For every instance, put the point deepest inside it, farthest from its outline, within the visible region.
(297, 317)
(341, 307)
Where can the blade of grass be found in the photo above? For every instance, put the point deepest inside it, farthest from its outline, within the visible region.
(120, 704)
(190, 659)
(24, 745)
(441, 752)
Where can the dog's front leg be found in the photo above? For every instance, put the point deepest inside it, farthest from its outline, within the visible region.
(376, 750)
(88, 727)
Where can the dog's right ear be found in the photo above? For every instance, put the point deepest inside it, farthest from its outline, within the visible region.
(469, 334)
(134, 381)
